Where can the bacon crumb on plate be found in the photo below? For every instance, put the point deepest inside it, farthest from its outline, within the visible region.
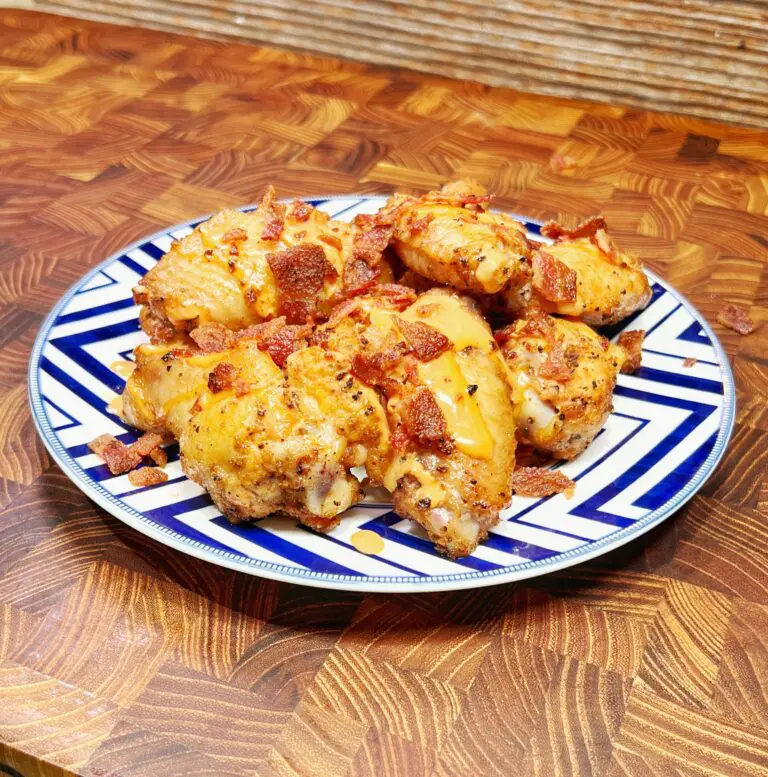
(689, 361)
(537, 482)
(736, 318)
(159, 456)
(147, 476)
(147, 443)
(632, 343)
(118, 457)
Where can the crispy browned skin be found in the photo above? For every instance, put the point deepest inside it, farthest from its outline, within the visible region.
(448, 404)
(563, 375)
(451, 238)
(239, 269)
(260, 439)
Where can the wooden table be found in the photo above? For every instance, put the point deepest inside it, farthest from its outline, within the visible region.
(123, 658)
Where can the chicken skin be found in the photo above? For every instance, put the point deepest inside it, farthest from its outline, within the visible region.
(450, 238)
(585, 276)
(439, 370)
(562, 374)
(258, 438)
(238, 269)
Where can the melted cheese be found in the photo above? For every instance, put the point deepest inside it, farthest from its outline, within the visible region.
(462, 415)
(367, 541)
(429, 488)
(449, 315)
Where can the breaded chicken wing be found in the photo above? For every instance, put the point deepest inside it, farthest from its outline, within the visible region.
(452, 447)
(450, 237)
(239, 269)
(584, 275)
(563, 375)
(260, 439)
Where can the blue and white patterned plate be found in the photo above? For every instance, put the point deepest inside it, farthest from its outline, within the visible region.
(669, 430)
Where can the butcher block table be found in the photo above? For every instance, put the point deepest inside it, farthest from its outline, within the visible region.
(124, 658)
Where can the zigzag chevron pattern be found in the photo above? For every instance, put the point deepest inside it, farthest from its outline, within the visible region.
(668, 430)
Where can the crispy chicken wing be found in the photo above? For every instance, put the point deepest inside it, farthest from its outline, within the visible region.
(260, 439)
(584, 275)
(450, 237)
(239, 269)
(452, 448)
(563, 375)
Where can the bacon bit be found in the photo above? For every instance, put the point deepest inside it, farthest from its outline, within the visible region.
(159, 456)
(736, 318)
(299, 273)
(632, 343)
(177, 353)
(425, 421)
(536, 482)
(140, 294)
(284, 342)
(417, 226)
(196, 406)
(359, 277)
(301, 210)
(602, 240)
(370, 243)
(560, 162)
(560, 364)
(118, 457)
(373, 369)
(147, 443)
(689, 361)
(260, 332)
(399, 438)
(234, 235)
(222, 377)
(554, 280)
(587, 228)
(241, 387)
(538, 324)
(274, 215)
(147, 476)
(212, 338)
(398, 296)
(427, 342)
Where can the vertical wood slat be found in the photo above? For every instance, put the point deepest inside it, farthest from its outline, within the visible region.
(702, 58)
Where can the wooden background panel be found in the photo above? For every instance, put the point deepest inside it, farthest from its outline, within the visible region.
(122, 658)
(701, 57)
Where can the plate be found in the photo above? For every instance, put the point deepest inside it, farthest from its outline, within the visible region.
(668, 431)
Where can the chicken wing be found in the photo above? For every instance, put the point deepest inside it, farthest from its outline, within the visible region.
(260, 439)
(584, 275)
(452, 446)
(450, 237)
(239, 269)
(563, 374)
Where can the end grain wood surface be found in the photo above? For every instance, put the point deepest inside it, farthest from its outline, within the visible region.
(122, 658)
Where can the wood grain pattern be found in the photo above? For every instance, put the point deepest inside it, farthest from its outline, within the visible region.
(122, 658)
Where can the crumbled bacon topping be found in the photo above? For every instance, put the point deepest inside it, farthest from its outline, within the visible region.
(587, 228)
(234, 235)
(426, 341)
(374, 369)
(147, 443)
(371, 240)
(359, 276)
(536, 482)
(425, 421)
(159, 456)
(417, 226)
(554, 280)
(222, 377)
(632, 343)
(282, 343)
(212, 338)
(560, 364)
(299, 274)
(301, 210)
(689, 361)
(147, 476)
(736, 318)
(118, 456)
(274, 215)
